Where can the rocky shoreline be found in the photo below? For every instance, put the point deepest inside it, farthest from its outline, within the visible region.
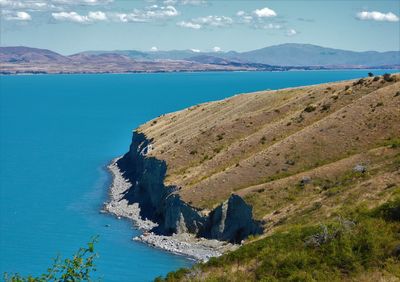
(186, 244)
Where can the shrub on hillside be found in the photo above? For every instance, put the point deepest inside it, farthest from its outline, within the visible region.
(388, 77)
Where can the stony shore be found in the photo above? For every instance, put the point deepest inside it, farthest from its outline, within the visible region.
(183, 244)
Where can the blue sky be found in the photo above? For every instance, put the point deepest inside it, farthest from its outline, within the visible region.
(70, 26)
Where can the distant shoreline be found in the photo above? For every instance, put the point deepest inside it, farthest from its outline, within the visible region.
(197, 71)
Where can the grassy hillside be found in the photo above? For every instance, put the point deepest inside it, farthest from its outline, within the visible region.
(267, 141)
(358, 245)
(299, 156)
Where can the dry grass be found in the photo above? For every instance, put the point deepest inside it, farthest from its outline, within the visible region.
(260, 145)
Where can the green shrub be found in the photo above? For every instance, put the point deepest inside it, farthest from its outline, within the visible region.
(77, 268)
(389, 211)
(336, 251)
(388, 77)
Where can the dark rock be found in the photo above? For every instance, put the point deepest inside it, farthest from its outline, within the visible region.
(396, 251)
(310, 108)
(305, 180)
(360, 168)
(290, 162)
(231, 221)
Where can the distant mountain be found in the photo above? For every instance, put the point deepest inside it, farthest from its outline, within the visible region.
(312, 55)
(22, 54)
(274, 58)
(209, 59)
(291, 54)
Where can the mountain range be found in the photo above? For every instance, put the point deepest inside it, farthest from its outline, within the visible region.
(289, 56)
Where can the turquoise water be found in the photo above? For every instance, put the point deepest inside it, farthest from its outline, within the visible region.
(57, 134)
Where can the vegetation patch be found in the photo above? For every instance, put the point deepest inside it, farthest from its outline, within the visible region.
(340, 249)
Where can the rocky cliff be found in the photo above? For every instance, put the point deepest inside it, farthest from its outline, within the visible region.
(275, 156)
(230, 221)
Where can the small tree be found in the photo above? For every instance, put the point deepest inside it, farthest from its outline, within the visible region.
(77, 268)
(388, 77)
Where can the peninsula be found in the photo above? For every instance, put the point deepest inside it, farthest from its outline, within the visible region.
(259, 163)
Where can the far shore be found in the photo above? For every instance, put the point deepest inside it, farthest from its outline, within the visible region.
(194, 72)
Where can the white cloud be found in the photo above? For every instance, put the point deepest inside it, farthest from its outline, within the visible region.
(258, 19)
(193, 2)
(189, 25)
(377, 16)
(185, 2)
(146, 15)
(97, 16)
(216, 21)
(195, 50)
(18, 16)
(272, 26)
(265, 13)
(244, 17)
(291, 32)
(77, 18)
(154, 49)
(211, 21)
(217, 49)
(48, 5)
(25, 5)
(82, 2)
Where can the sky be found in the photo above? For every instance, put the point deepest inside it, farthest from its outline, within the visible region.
(71, 26)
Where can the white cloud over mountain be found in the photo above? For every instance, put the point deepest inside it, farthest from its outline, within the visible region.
(291, 32)
(377, 16)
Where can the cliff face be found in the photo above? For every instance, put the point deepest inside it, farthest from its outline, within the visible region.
(231, 221)
(288, 153)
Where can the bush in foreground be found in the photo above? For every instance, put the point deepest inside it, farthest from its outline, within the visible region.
(77, 268)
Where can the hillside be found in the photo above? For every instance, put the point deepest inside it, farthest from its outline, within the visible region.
(297, 157)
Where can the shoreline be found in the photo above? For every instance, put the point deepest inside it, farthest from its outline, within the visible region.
(185, 244)
(195, 71)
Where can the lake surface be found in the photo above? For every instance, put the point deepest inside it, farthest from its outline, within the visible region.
(57, 134)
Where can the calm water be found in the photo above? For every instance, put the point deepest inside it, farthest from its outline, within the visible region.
(57, 134)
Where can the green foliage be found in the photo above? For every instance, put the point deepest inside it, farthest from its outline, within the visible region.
(77, 268)
(389, 211)
(393, 143)
(337, 250)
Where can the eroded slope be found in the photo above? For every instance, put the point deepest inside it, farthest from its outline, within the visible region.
(246, 143)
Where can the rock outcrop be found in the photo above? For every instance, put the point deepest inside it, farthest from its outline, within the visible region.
(231, 221)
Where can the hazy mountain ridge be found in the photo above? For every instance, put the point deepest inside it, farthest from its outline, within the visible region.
(274, 58)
